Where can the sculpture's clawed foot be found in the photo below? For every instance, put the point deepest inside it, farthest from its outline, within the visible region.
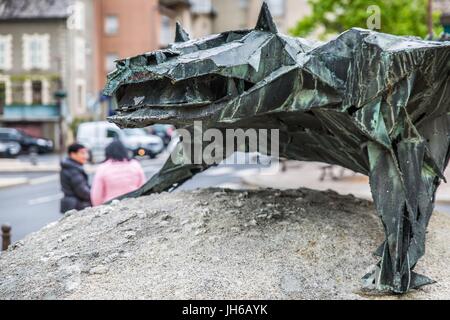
(375, 282)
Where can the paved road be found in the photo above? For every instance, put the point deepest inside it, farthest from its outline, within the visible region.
(30, 207)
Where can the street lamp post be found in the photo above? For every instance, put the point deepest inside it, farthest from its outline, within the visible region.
(59, 96)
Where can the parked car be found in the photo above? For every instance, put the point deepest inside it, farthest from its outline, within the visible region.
(141, 143)
(28, 144)
(173, 142)
(97, 135)
(164, 131)
(9, 149)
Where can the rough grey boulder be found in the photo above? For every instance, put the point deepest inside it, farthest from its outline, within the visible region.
(214, 243)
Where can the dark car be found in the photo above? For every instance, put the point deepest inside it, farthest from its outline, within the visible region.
(163, 131)
(9, 149)
(28, 144)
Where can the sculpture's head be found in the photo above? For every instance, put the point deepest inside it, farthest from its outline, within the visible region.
(200, 79)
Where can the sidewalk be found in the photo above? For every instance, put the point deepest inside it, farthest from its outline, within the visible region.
(52, 167)
(307, 175)
(14, 165)
(12, 182)
(22, 167)
(51, 163)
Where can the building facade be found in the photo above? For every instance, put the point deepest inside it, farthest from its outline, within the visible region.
(123, 29)
(49, 46)
(202, 17)
(442, 6)
(44, 55)
(243, 14)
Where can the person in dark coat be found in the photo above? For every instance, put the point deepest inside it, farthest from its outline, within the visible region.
(74, 180)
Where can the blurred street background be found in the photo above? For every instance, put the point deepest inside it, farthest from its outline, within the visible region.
(55, 56)
(30, 194)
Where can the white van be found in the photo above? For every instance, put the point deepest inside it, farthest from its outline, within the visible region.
(96, 136)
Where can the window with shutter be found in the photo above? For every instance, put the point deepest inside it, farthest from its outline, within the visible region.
(5, 52)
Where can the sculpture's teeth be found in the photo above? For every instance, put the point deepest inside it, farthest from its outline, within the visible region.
(240, 86)
(231, 87)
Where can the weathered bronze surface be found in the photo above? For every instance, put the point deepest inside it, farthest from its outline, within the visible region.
(374, 103)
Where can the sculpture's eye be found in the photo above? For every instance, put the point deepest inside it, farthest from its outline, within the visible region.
(235, 35)
(170, 53)
(219, 40)
(121, 64)
(152, 59)
(138, 61)
(158, 57)
(211, 43)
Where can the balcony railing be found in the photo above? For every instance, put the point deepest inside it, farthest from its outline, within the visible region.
(30, 112)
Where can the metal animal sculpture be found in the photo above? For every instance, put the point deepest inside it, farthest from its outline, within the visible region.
(375, 103)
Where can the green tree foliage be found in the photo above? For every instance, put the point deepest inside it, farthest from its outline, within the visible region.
(399, 17)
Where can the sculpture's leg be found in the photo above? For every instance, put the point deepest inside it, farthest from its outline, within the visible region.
(403, 183)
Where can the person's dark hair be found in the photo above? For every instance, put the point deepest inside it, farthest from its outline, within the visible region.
(75, 147)
(116, 151)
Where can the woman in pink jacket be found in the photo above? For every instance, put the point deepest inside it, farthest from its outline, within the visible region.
(116, 176)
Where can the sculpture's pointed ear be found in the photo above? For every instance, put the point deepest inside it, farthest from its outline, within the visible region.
(180, 34)
(265, 20)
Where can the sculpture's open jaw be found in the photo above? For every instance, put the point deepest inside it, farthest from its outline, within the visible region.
(193, 92)
(165, 101)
